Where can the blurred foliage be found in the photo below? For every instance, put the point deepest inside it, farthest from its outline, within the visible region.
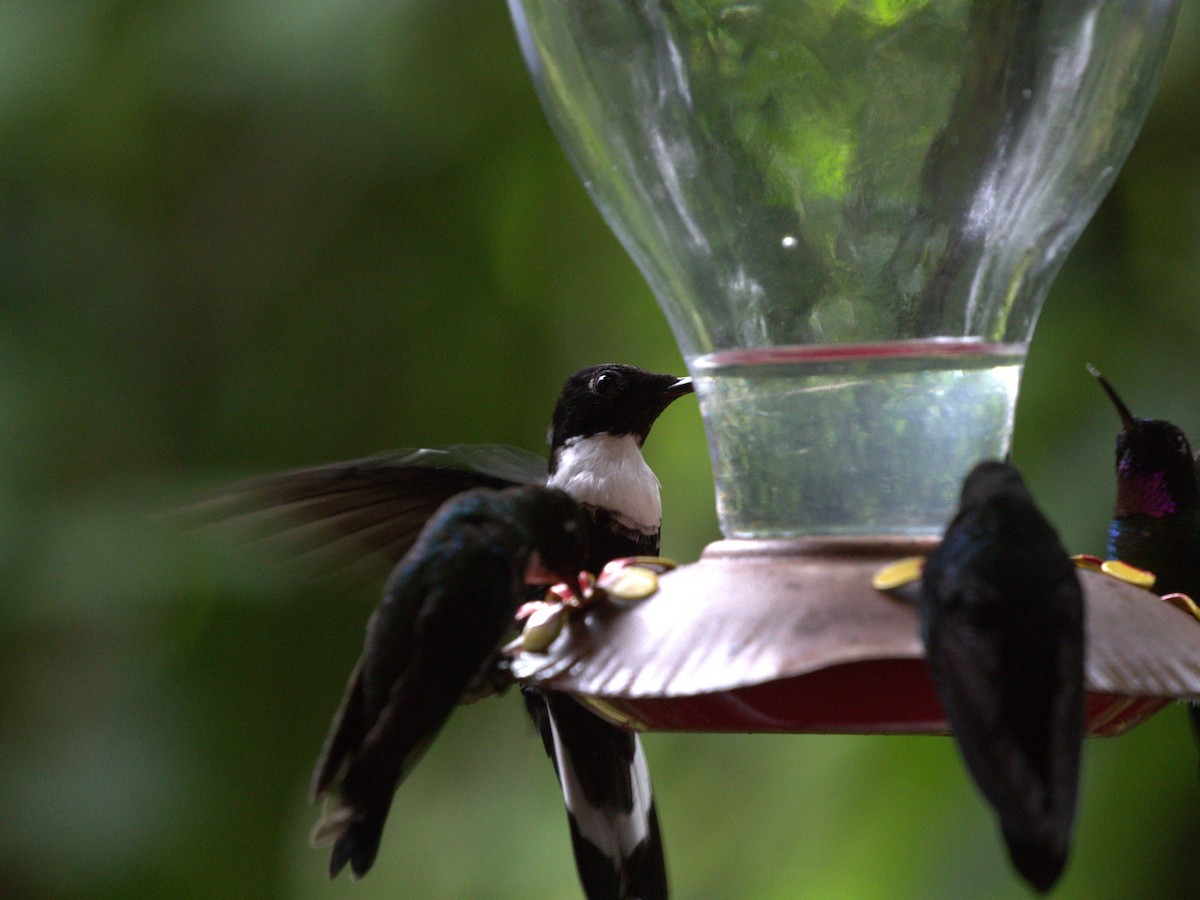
(239, 236)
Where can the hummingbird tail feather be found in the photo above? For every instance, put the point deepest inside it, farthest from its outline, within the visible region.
(609, 798)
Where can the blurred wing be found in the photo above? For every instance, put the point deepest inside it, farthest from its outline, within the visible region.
(363, 514)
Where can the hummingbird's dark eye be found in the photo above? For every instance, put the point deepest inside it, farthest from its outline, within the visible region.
(607, 384)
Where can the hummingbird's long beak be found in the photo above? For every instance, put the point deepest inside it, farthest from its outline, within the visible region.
(679, 388)
(1127, 418)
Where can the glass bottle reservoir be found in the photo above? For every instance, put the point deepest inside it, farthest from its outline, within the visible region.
(850, 212)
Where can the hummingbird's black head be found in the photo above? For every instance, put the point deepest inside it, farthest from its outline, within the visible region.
(557, 532)
(1155, 474)
(988, 480)
(612, 399)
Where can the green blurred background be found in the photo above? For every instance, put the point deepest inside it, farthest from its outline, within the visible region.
(238, 236)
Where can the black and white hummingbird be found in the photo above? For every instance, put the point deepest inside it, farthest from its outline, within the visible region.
(1156, 520)
(446, 610)
(1002, 619)
(373, 508)
(600, 423)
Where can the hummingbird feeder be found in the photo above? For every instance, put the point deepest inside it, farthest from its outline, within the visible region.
(850, 214)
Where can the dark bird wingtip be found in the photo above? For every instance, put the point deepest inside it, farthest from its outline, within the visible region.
(1041, 867)
(348, 849)
(337, 862)
(1039, 850)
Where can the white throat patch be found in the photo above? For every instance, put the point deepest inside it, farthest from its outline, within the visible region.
(608, 471)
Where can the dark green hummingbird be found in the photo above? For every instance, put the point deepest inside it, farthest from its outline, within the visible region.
(1002, 616)
(1156, 522)
(446, 610)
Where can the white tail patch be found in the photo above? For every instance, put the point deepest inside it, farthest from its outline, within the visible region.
(616, 834)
